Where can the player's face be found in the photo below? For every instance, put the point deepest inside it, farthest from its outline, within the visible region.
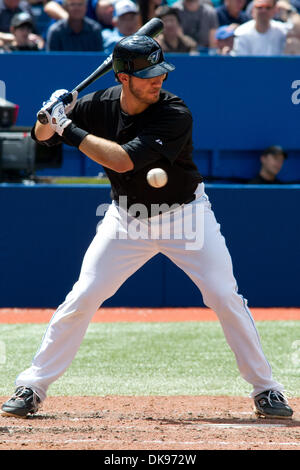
(146, 90)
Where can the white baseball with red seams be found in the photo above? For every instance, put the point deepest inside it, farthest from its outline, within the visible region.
(157, 177)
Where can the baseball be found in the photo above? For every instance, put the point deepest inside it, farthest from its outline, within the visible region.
(157, 177)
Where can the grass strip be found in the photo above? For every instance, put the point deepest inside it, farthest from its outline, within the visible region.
(188, 358)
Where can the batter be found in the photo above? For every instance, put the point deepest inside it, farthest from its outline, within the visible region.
(129, 129)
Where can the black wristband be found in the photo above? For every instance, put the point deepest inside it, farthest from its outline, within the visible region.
(73, 135)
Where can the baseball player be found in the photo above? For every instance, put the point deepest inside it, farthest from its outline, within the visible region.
(129, 129)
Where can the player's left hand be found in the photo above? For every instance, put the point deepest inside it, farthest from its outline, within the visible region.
(61, 95)
(58, 119)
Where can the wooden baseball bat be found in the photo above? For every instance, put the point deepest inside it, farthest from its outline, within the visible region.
(152, 28)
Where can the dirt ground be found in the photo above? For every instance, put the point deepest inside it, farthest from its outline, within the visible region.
(149, 423)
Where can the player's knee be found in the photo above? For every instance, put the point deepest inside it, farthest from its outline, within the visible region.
(87, 302)
(93, 297)
(81, 300)
(219, 297)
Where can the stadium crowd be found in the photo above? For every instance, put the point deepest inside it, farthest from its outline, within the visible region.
(214, 27)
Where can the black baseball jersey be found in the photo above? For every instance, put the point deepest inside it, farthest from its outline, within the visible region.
(159, 137)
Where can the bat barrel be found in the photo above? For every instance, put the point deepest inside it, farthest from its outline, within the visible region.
(152, 28)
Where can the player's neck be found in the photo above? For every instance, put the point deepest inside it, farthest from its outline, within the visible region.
(131, 105)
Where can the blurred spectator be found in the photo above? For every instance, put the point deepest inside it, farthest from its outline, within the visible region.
(147, 9)
(126, 23)
(232, 11)
(225, 38)
(21, 27)
(296, 5)
(42, 21)
(17, 6)
(8, 8)
(55, 9)
(101, 11)
(172, 38)
(272, 160)
(284, 11)
(249, 8)
(261, 36)
(198, 20)
(77, 33)
(98, 10)
(292, 45)
(23, 39)
(215, 3)
(104, 13)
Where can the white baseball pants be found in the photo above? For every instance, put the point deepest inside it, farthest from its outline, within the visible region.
(189, 236)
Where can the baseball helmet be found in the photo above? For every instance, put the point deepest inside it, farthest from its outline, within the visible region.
(140, 56)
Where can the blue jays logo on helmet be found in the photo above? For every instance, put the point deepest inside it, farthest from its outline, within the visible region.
(154, 57)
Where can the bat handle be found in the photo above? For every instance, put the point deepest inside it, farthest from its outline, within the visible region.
(42, 116)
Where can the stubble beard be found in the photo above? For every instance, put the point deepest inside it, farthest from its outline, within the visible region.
(140, 94)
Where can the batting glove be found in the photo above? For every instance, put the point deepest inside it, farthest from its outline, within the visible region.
(60, 95)
(58, 119)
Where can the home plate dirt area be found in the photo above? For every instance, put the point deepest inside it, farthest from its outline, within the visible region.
(149, 423)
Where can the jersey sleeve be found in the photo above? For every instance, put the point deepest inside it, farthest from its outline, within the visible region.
(166, 137)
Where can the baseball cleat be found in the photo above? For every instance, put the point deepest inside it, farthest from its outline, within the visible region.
(23, 402)
(272, 404)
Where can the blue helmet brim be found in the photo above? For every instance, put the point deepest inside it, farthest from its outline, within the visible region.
(154, 70)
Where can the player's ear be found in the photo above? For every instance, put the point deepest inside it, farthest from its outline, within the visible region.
(123, 78)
